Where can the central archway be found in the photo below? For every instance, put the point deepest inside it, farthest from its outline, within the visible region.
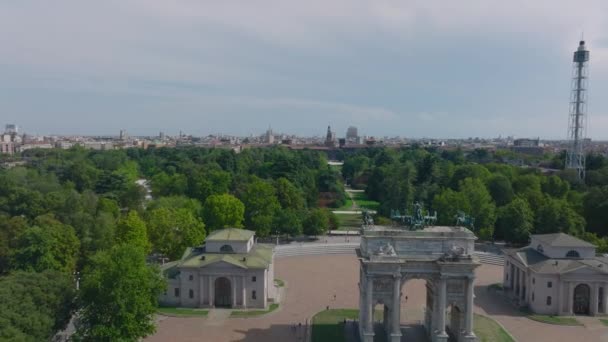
(582, 299)
(223, 293)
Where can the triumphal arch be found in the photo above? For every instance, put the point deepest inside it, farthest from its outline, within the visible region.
(443, 256)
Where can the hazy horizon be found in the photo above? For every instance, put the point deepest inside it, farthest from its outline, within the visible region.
(391, 68)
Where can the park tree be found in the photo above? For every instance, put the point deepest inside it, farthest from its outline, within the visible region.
(556, 215)
(500, 189)
(316, 222)
(203, 184)
(261, 204)
(164, 184)
(47, 245)
(448, 204)
(177, 202)
(555, 186)
(35, 305)
(354, 167)
(595, 205)
(524, 184)
(480, 203)
(288, 222)
(132, 230)
(118, 296)
(222, 211)
(475, 171)
(10, 232)
(171, 231)
(289, 196)
(515, 222)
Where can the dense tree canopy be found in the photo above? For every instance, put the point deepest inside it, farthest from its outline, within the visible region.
(118, 296)
(223, 211)
(68, 209)
(171, 231)
(34, 305)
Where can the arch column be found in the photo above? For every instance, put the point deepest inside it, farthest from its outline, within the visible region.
(368, 331)
(468, 315)
(395, 335)
(441, 334)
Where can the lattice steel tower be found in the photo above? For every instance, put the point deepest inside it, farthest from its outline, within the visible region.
(577, 123)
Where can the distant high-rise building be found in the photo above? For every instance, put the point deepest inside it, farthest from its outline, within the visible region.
(330, 138)
(122, 135)
(11, 129)
(269, 136)
(575, 155)
(351, 133)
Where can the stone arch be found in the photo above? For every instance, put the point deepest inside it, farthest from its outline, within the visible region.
(417, 310)
(582, 299)
(455, 322)
(223, 292)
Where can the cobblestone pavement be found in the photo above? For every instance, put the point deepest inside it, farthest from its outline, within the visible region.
(311, 283)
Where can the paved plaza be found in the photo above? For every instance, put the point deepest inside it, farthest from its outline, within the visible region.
(312, 281)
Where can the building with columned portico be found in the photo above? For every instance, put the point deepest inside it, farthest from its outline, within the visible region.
(557, 274)
(230, 270)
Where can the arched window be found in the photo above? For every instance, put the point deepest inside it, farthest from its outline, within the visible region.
(572, 254)
(226, 249)
(540, 248)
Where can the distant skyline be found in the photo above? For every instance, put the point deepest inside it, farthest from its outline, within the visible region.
(409, 68)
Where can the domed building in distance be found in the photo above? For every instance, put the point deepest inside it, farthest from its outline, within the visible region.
(230, 270)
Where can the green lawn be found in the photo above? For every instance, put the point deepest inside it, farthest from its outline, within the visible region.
(350, 221)
(327, 325)
(181, 312)
(604, 321)
(487, 330)
(363, 202)
(557, 320)
(253, 313)
(348, 205)
(279, 282)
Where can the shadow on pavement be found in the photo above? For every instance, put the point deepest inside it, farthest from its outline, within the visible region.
(276, 332)
(494, 302)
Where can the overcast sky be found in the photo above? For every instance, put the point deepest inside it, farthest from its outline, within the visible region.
(410, 68)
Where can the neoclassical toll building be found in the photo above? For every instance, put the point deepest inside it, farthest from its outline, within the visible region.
(230, 270)
(557, 274)
(443, 256)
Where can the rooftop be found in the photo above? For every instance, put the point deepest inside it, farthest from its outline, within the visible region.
(230, 234)
(540, 263)
(562, 240)
(260, 256)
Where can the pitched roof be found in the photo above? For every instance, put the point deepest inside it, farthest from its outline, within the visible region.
(230, 234)
(260, 256)
(562, 240)
(539, 263)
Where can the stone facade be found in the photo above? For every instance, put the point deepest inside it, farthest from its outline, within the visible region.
(443, 256)
(230, 270)
(557, 274)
